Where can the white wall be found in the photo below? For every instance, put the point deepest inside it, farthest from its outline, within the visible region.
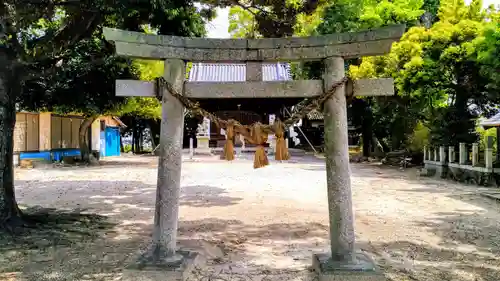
(96, 135)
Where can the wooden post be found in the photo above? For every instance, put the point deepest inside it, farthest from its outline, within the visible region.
(436, 155)
(462, 154)
(253, 71)
(475, 154)
(169, 167)
(451, 154)
(338, 174)
(425, 153)
(191, 148)
(498, 144)
(442, 155)
(488, 153)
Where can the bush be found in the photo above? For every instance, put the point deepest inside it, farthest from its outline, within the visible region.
(418, 139)
(483, 138)
(127, 148)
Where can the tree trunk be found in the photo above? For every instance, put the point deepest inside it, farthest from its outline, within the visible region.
(141, 140)
(378, 147)
(366, 134)
(138, 138)
(122, 149)
(153, 143)
(83, 137)
(134, 137)
(132, 144)
(155, 131)
(9, 86)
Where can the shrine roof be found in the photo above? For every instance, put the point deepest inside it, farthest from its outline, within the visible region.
(491, 122)
(236, 72)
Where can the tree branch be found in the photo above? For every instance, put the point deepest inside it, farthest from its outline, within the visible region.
(8, 31)
(77, 27)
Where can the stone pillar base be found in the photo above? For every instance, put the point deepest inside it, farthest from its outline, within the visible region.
(361, 269)
(176, 269)
(202, 146)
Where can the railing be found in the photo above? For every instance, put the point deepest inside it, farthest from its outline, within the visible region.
(467, 155)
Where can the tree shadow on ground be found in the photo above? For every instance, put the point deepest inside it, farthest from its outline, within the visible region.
(71, 245)
(50, 233)
(410, 260)
(203, 196)
(467, 247)
(126, 198)
(293, 245)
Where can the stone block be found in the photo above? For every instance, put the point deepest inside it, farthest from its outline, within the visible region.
(70, 160)
(203, 147)
(26, 164)
(424, 172)
(362, 268)
(364, 43)
(178, 270)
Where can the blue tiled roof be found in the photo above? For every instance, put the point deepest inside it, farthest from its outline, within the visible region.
(236, 72)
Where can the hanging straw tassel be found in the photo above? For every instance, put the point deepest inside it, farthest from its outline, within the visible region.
(281, 149)
(259, 138)
(229, 145)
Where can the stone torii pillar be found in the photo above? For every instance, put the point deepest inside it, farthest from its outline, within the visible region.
(169, 168)
(344, 262)
(338, 174)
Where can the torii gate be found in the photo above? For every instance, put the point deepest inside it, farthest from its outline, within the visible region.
(344, 262)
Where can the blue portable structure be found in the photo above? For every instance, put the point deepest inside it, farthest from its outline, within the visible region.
(62, 138)
(110, 141)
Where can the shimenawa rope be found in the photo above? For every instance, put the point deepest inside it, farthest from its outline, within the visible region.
(256, 133)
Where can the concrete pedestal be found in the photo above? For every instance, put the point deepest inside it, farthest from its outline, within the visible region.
(362, 268)
(272, 144)
(203, 145)
(174, 269)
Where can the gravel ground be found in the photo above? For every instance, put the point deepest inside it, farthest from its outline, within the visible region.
(267, 221)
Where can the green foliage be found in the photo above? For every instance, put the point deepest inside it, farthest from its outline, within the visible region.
(393, 121)
(67, 64)
(483, 137)
(347, 16)
(149, 69)
(487, 47)
(445, 71)
(419, 139)
(148, 108)
(267, 18)
(127, 148)
(438, 77)
(82, 82)
(242, 23)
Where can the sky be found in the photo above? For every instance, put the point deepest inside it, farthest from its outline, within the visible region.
(217, 28)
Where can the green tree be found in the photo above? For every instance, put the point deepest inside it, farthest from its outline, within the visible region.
(438, 78)
(40, 40)
(487, 51)
(352, 16)
(242, 23)
(266, 18)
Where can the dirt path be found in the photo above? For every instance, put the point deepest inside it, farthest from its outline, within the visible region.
(265, 221)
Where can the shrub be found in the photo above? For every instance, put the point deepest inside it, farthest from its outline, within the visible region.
(418, 139)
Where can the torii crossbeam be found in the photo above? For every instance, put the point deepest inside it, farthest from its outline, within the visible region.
(344, 262)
